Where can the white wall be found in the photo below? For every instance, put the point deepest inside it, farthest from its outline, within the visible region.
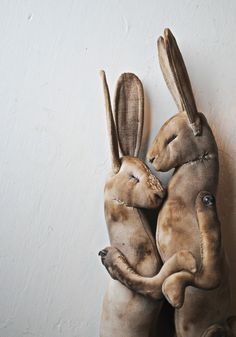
(53, 146)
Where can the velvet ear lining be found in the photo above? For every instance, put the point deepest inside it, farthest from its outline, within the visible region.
(129, 113)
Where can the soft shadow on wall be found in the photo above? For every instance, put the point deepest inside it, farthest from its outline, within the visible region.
(227, 209)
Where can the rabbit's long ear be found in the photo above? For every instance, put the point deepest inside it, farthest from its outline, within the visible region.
(111, 126)
(176, 77)
(129, 113)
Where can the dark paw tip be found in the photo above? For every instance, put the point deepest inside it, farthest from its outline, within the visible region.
(208, 200)
(102, 253)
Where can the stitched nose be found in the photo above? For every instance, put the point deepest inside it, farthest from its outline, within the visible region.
(151, 159)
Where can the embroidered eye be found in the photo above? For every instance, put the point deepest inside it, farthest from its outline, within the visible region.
(135, 179)
(169, 140)
(208, 200)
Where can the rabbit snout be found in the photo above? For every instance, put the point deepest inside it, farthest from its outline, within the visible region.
(151, 159)
(161, 194)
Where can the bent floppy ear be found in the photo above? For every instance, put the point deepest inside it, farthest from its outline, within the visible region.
(129, 113)
(111, 126)
(177, 79)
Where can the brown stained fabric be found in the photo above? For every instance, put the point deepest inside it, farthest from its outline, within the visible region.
(127, 189)
(186, 222)
(129, 113)
(127, 192)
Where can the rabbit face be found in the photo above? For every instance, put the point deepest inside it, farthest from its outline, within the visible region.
(134, 185)
(131, 183)
(174, 145)
(186, 137)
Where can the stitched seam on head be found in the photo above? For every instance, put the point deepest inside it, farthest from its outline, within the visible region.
(201, 159)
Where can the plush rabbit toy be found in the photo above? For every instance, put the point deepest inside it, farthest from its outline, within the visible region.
(186, 143)
(130, 187)
(188, 219)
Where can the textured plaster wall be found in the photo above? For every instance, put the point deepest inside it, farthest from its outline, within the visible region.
(53, 146)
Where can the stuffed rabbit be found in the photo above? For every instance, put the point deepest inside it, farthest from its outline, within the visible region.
(188, 219)
(130, 187)
(186, 143)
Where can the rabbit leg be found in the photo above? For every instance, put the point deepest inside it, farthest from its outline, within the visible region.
(119, 269)
(209, 274)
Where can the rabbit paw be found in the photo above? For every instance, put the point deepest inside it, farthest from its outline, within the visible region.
(173, 292)
(111, 257)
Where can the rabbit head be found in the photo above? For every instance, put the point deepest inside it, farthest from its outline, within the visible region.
(186, 136)
(131, 182)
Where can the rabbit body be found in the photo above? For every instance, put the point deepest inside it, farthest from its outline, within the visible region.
(196, 169)
(178, 228)
(185, 142)
(126, 313)
(130, 187)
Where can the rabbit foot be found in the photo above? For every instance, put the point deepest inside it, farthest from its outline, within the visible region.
(111, 257)
(173, 293)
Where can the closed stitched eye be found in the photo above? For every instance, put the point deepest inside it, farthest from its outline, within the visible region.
(170, 139)
(134, 178)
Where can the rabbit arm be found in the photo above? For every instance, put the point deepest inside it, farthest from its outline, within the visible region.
(119, 269)
(209, 274)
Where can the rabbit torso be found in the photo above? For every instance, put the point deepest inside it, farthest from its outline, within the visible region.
(129, 231)
(178, 229)
(177, 223)
(126, 313)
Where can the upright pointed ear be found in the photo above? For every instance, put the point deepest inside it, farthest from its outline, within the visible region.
(177, 79)
(129, 113)
(111, 126)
